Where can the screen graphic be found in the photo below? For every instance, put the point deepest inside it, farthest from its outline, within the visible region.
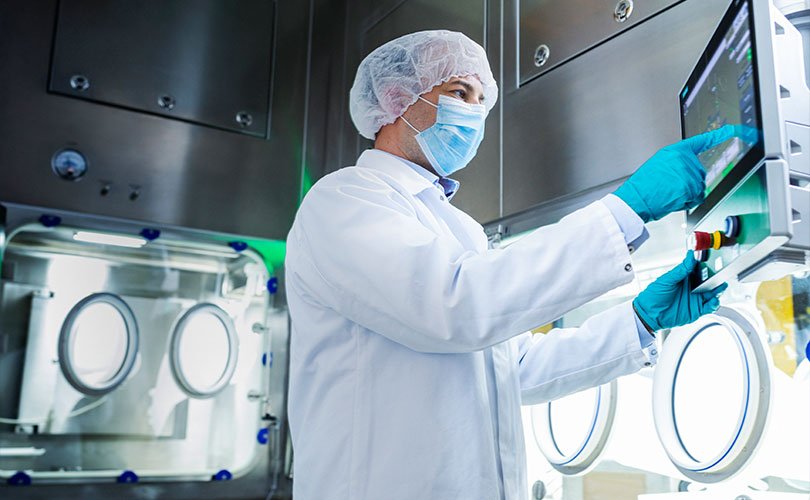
(725, 93)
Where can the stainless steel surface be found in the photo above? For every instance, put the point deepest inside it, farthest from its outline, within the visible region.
(200, 60)
(188, 175)
(571, 27)
(571, 134)
(417, 15)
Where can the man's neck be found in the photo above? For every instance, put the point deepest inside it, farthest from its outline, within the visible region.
(392, 147)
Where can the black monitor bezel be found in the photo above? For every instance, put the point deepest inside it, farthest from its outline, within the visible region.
(757, 153)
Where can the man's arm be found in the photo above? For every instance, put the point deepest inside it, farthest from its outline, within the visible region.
(568, 360)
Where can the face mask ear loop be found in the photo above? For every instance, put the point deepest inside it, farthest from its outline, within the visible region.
(434, 105)
(409, 124)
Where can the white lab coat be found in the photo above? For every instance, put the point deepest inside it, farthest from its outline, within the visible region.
(407, 362)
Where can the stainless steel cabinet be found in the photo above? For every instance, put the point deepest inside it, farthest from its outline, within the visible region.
(196, 172)
(573, 133)
(215, 73)
(554, 31)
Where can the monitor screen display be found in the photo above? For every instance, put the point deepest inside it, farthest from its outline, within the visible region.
(723, 90)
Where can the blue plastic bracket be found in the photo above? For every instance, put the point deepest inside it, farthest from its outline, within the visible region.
(267, 359)
(272, 285)
(263, 436)
(19, 479)
(239, 246)
(223, 475)
(50, 220)
(150, 234)
(127, 477)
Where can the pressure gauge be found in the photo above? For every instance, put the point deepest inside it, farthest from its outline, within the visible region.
(69, 164)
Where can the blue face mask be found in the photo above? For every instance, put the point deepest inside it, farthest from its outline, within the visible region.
(451, 143)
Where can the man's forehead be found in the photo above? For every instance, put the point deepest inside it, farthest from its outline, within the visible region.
(470, 79)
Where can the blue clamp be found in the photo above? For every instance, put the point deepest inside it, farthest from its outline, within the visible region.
(267, 359)
(127, 477)
(263, 436)
(272, 285)
(19, 479)
(239, 246)
(807, 351)
(50, 220)
(223, 475)
(150, 234)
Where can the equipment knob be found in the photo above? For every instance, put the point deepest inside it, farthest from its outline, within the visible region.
(732, 226)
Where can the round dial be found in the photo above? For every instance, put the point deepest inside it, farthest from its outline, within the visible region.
(69, 164)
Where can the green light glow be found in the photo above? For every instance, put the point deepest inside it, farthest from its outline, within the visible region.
(272, 251)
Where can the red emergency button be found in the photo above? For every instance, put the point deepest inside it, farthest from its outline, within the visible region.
(700, 241)
(703, 241)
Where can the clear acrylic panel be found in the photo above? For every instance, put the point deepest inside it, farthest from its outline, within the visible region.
(92, 327)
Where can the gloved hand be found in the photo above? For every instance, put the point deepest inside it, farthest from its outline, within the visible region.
(669, 302)
(674, 179)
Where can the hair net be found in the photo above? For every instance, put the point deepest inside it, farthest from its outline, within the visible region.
(392, 77)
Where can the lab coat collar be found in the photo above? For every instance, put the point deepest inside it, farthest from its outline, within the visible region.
(413, 177)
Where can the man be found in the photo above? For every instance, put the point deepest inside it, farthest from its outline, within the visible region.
(408, 361)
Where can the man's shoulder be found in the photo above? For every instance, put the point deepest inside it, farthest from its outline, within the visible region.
(354, 176)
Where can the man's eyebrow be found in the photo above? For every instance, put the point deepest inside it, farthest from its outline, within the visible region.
(469, 88)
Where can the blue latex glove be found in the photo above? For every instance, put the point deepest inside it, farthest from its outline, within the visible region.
(674, 179)
(669, 302)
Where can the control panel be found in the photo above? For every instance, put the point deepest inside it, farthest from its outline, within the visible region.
(755, 222)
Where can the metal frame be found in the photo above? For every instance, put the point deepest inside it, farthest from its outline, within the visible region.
(66, 346)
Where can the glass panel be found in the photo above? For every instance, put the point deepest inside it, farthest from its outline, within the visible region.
(709, 393)
(204, 351)
(571, 419)
(99, 344)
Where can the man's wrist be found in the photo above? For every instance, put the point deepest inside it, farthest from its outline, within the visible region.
(650, 330)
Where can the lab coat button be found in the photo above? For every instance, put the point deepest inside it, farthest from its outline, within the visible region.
(654, 352)
(628, 268)
(647, 364)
